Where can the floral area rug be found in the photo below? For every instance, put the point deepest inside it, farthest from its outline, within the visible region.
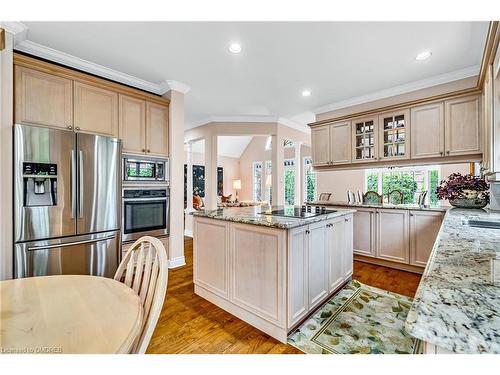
(359, 319)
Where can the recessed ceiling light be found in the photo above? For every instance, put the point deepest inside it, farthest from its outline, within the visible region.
(306, 93)
(235, 47)
(423, 55)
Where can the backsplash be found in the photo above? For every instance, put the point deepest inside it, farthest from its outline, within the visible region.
(495, 196)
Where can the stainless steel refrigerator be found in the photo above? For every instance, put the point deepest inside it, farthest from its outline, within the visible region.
(66, 202)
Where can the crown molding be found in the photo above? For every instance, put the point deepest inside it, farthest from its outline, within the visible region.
(175, 86)
(468, 72)
(18, 29)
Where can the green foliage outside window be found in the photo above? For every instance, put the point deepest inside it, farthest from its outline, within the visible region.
(289, 187)
(434, 182)
(403, 182)
(372, 182)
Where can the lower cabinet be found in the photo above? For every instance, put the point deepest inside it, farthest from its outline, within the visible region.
(424, 228)
(318, 255)
(392, 235)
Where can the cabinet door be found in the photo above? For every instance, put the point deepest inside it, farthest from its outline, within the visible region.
(132, 124)
(211, 256)
(365, 140)
(336, 252)
(43, 99)
(348, 244)
(462, 126)
(318, 263)
(320, 140)
(427, 131)
(156, 129)
(424, 228)
(297, 275)
(340, 143)
(364, 232)
(394, 134)
(96, 110)
(392, 235)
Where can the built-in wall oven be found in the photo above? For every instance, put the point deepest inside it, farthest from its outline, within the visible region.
(145, 169)
(145, 211)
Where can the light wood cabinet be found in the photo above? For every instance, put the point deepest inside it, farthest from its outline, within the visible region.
(340, 143)
(320, 139)
(392, 235)
(348, 258)
(43, 99)
(365, 139)
(318, 262)
(298, 286)
(96, 110)
(427, 131)
(336, 242)
(462, 126)
(364, 233)
(424, 228)
(394, 135)
(156, 129)
(132, 124)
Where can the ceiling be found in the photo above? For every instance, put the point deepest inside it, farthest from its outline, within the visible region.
(232, 146)
(334, 60)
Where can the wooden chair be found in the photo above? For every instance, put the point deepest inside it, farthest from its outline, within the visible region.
(395, 197)
(372, 197)
(144, 269)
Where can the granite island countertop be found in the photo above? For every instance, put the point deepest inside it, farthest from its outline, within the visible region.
(255, 215)
(457, 304)
(406, 206)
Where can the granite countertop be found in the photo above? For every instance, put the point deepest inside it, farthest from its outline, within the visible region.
(254, 215)
(405, 206)
(457, 304)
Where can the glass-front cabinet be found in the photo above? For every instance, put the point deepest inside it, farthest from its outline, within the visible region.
(365, 139)
(394, 135)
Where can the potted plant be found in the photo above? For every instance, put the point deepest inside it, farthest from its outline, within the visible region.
(467, 191)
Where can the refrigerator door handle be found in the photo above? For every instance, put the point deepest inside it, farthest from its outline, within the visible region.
(73, 184)
(71, 243)
(80, 185)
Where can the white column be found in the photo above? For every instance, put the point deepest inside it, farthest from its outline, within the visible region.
(298, 196)
(6, 121)
(277, 168)
(211, 172)
(189, 178)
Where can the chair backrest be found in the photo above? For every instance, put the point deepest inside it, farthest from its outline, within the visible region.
(324, 196)
(421, 198)
(395, 197)
(144, 269)
(372, 197)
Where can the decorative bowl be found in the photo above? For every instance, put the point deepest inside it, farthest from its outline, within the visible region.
(469, 202)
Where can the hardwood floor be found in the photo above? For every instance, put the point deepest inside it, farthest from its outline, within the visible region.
(190, 324)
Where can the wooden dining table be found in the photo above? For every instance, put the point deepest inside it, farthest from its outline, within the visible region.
(68, 314)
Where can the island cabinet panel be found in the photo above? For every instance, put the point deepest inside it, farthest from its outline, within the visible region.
(132, 124)
(348, 258)
(318, 262)
(298, 287)
(337, 263)
(320, 137)
(43, 99)
(392, 235)
(364, 232)
(427, 131)
(258, 271)
(96, 110)
(424, 228)
(462, 126)
(340, 143)
(211, 256)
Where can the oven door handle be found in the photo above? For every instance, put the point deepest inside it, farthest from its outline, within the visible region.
(145, 199)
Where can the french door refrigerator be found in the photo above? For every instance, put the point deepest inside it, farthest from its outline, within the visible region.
(67, 191)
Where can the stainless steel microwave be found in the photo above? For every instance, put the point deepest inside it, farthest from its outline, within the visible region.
(145, 169)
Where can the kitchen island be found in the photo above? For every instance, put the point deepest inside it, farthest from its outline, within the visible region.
(271, 271)
(457, 304)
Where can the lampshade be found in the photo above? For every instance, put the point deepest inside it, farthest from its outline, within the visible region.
(269, 181)
(237, 184)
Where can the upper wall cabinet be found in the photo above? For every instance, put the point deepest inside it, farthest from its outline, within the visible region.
(462, 126)
(132, 124)
(427, 120)
(340, 143)
(156, 129)
(320, 139)
(365, 139)
(43, 99)
(394, 134)
(96, 110)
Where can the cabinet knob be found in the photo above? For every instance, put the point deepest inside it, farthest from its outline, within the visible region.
(307, 232)
(448, 152)
(143, 150)
(70, 127)
(147, 151)
(441, 153)
(77, 128)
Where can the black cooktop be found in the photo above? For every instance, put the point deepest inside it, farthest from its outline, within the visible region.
(300, 212)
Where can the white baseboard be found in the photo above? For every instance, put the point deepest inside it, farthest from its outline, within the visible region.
(177, 262)
(188, 233)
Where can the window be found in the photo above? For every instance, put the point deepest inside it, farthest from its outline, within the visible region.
(309, 180)
(289, 166)
(269, 181)
(411, 181)
(257, 181)
(269, 143)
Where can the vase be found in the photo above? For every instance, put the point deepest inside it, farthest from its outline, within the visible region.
(469, 202)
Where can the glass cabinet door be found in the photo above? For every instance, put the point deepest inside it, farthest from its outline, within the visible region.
(394, 132)
(365, 139)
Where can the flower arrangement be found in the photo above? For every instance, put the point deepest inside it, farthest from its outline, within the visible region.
(469, 189)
